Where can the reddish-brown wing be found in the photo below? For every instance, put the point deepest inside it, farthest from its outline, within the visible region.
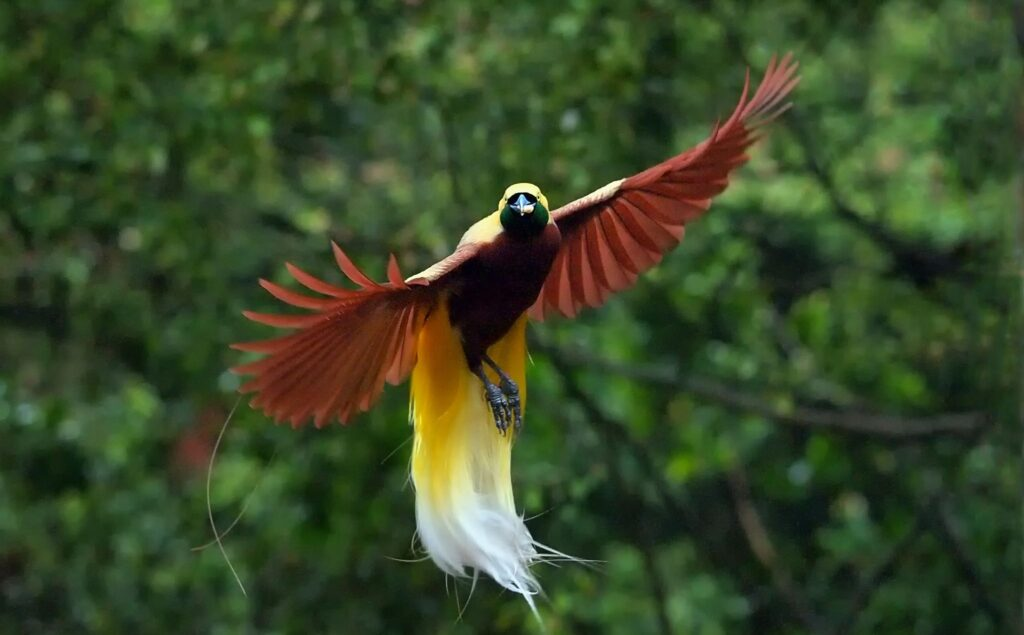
(615, 233)
(336, 361)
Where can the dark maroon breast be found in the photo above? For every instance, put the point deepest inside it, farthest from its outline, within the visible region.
(498, 285)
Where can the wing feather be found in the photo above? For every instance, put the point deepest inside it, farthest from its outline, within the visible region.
(613, 272)
(349, 268)
(291, 297)
(393, 374)
(574, 260)
(592, 239)
(624, 228)
(615, 234)
(315, 284)
(591, 287)
(339, 356)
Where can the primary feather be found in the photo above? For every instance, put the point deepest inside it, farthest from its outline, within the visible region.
(624, 228)
(336, 363)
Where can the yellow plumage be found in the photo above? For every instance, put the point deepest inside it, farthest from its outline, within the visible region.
(461, 464)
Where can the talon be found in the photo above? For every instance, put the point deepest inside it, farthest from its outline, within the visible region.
(499, 407)
(518, 416)
(511, 391)
(503, 399)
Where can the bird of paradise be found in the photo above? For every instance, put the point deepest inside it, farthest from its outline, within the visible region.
(459, 327)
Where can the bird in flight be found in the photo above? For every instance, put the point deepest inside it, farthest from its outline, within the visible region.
(458, 327)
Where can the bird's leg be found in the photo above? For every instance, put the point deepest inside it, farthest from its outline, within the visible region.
(500, 407)
(511, 390)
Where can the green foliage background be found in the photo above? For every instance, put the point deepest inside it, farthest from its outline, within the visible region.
(761, 437)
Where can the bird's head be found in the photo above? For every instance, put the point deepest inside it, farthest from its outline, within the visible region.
(524, 209)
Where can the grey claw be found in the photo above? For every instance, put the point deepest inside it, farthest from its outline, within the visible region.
(499, 407)
(511, 392)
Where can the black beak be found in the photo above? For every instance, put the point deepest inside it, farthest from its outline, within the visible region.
(521, 204)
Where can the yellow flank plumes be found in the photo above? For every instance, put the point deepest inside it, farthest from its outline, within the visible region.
(461, 465)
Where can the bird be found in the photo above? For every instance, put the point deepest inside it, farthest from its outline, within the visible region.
(458, 328)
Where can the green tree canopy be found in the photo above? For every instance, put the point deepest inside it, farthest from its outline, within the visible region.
(805, 420)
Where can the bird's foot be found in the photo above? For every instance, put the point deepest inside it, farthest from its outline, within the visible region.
(500, 407)
(511, 392)
(504, 400)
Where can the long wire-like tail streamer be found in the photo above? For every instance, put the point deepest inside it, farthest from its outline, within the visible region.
(209, 507)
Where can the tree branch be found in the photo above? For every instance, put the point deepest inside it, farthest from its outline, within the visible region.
(22, 230)
(920, 262)
(657, 587)
(870, 583)
(51, 320)
(880, 425)
(451, 159)
(945, 527)
(1018, 23)
(616, 435)
(762, 547)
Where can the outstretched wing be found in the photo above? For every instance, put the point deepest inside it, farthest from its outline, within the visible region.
(613, 234)
(336, 361)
